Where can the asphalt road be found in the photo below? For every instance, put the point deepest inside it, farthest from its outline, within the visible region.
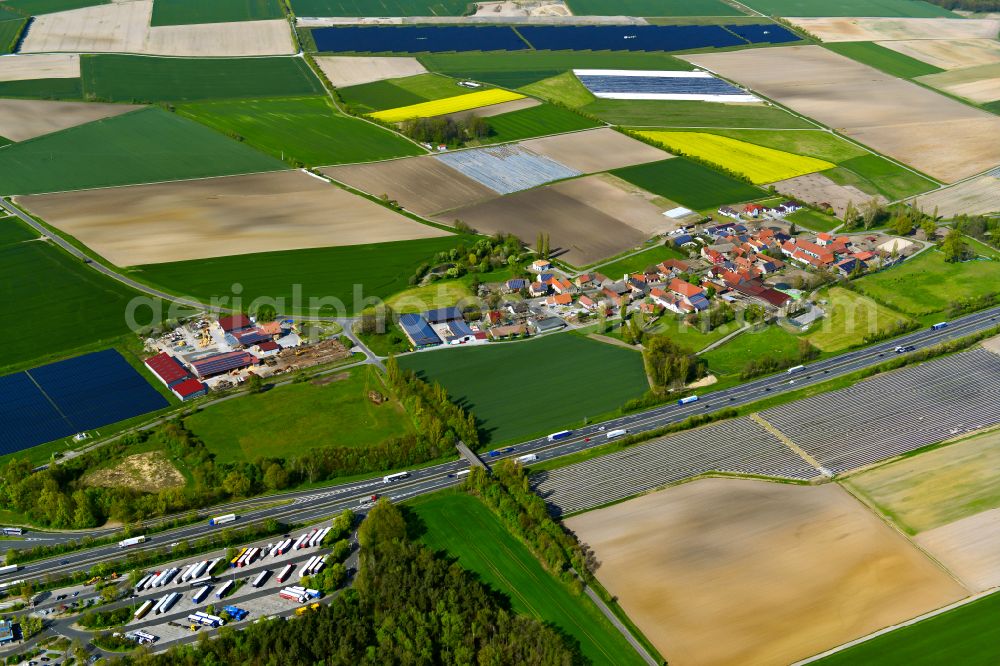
(312, 505)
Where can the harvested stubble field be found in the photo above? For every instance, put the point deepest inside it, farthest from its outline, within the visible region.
(423, 185)
(26, 119)
(344, 71)
(969, 548)
(937, 135)
(723, 571)
(587, 219)
(41, 66)
(816, 189)
(949, 53)
(198, 219)
(979, 84)
(972, 197)
(891, 29)
(597, 150)
(145, 146)
(124, 27)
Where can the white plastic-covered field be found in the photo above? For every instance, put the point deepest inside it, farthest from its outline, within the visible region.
(508, 168)
(124, 27)
(662, 85)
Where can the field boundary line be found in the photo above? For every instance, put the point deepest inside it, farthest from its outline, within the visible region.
(898, 625)
(798, 450)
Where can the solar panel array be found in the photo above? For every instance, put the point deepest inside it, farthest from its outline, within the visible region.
(895, 413)
(438, 39)
(679, 85)
(738, 446)
(508, 168)
(64, 398)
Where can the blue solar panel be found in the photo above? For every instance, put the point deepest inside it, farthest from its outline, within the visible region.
(71, 396)
(628, 37)
(658, 84)
(416, 39)
(419, 330)
(768, 33)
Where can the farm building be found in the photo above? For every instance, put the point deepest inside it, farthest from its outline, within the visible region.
(443, 315)
(6, 632)
(267, 348)
(895, 245)
(167, 369)
(189, 388)
(418, 330)
(234, 323)
(217, 364)
(549, 324)
(459, 333)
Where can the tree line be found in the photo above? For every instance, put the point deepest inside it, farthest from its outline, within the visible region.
(445, 130)
(408, 606)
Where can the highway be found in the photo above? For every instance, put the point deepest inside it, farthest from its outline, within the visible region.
(313, 505)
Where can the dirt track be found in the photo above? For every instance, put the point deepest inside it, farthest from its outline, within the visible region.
(939, 136)
(22, 119)
(343, 71)
(150, 224)
(723, 571)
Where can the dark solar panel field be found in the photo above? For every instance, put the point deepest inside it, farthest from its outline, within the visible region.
(658, 85)
(71, 396)
(441, 39)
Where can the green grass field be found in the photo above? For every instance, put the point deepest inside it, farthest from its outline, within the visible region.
(640, 261)
(183, 12)
(814, 220)
(36, 7)
(689, 183)
(890, 8)
(891, 180)
(536, 121)
(672, 113)
(466, 529)
(652, 8)
(306, 129)
(521, 389)
(378, 270)
(926, 284)
(289, 420)
(392, 93)
(380, 8)
(889, 61)
(144, 146)
(731, 358)
(564, 88)
(689, 337)
(126, 78)
(70, 306)
(968, 635)
(849, 318)
(517, 69)
(10, 32)
(43, 89)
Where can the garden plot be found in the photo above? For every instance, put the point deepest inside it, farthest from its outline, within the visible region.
(124, 27)
(727, 571)
(507, 168)
(939, 136)
(587, 219)
(891, 29)
(41, 66)
(816, 189)
(343, 71)
(639, 84)
(948, 53)
(979, 84)
(423, 185)
(971, 197)
(214, 217)
(601, 149)
(22, 119)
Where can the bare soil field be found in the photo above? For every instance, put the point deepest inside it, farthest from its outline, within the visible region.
(495, 109)
(979, 84)
(594, 150)
(214, 217)
(423, 185)
(124, 28)
(937, 487)
(969, 548)
(815, 188)
(22, 119)
(949, 53)
(877, 29)
(943, 138)
(506, 8)
(148, 472)
(588, 218)
(343, 71)
(972, 197)
(42, 66)
(725, 571)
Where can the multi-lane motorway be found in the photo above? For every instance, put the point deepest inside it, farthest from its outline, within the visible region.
(313, 505)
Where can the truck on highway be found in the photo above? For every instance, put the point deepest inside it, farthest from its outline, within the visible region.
(367, 502)
(938, 326)
(525, 459)
(688, 400)
(134, 541)
(398, 476)
(611, 434)
(795, 368)
(10, 568)
(562, 434)
(12, 531)
(222, 520)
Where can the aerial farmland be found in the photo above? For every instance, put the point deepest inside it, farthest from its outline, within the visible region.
(510, 332)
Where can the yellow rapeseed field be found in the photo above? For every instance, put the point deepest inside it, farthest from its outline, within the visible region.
(440, 107)
(759, 164)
